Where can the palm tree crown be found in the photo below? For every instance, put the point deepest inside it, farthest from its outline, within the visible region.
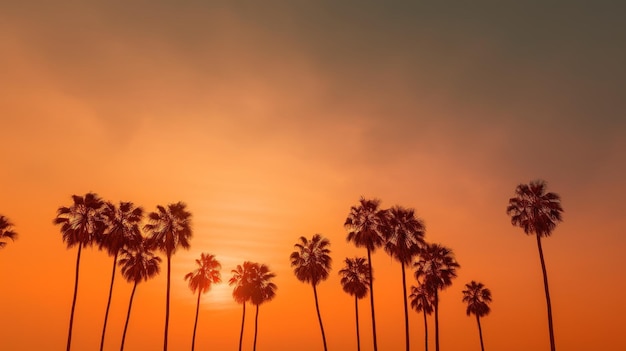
(139, 263)
(311, 261)
(404, 233)
(355, 277)
(6, 230)
(364, 224)
(534, 210)
(477, 298)
(242, 280)
(170, 227)
(421, 299)
(436, 266)
(207, 274)
(83, 222)
(122, 226)
(262, 287)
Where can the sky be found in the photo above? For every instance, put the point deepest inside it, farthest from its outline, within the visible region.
(270, 120)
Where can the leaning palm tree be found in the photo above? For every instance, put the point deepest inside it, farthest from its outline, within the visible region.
(262, 290)
(355, 279)
(201, 280)
(242, 291)
(435, 268)
(537, 212)
(364, 225)
(122, 230)
(81, 224)
(404, 234)
(138, 263)
(6, 231)
(477, 298)
(169, 228)
(422, 301)
(311, 264)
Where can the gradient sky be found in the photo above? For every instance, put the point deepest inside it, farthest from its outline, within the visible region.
(270, 120)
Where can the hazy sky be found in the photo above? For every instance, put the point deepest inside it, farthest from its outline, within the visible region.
(270, 119)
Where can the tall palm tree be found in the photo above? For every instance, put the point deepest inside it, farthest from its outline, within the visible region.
(422, 301)
(122, 229)
(201, 280)
(364, 225)
(263, 290)
(477, 298)
(6, 230)
(355, 280)
(169, 228)
(242, 292)
(404, 234)
(537, 212)
(435, 268)
(311, 264)
(138, 263)
(81, 224)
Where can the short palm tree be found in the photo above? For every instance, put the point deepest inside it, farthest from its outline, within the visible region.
(435, 268)
(355, 280)
(364, 224)
(201, 280)
(263, 290)
(81, 224)
(122, 230)
(404, 235)
(138, 263)
(242, 292)
(311, 264)
(169, 228)
(6, 231)
(477, 298)
(422, 301)
(537, 212)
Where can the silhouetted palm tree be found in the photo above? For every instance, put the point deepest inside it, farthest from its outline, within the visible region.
(477, 298)
(242, 291)
(364, 225)
(263, 290)
(538, 213)
(355, 280)
(435, 268)
(6, 231)
(122, 229)
(207, 274)
(311, 264)
(169, 228)
(404, 235)
(422, 301)
(81, 224)
(138, 263)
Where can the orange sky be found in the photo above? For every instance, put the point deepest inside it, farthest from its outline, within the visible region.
(271, 121)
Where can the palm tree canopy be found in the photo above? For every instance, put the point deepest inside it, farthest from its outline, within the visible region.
(422, 298)
(364, 224)
(403, 232)
(139, 263)
(6, 230)
(122, 226)
(534, 210)
(477, 298)
(355, 277)
(253, 282)
(207, 273)
(436, 266)
(241, 280)
(170, 227)
(311, 261)
(82, 222)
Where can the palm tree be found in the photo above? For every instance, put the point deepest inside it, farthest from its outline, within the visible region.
(122, 230)
(404, 234)
(6, 230)
(477, 298)
(169, 228)
(435, 268)
(81, 224)
(355, 280)
(138, 263)
(263, 290)
(207, 274)
(364, 225)
(311, 264)
(242, 291)
(422, 301)
(538, 213)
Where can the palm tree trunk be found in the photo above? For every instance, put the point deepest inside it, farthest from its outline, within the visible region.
(545, 285)
(243, 319)
(425, 330)
(256, 322)
(69, 334)
(167, 302)
(358, 338)
(369, 263)
(130, 305)
(436, 320)
(480, 333)
(106, 314)
(406, 310)
(319, 316)
(195, 324)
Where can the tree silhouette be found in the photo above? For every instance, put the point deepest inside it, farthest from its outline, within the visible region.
(435, 268)
(169, 228)
(6, 231)
(122, 230)
(311, 264)
(355, 280)
(242, 292)
(477, 298)
(200, 280)
(364, 224)
(262, 290)
(422, 301)
(81, 224)
(404, 235)
(538, 213)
